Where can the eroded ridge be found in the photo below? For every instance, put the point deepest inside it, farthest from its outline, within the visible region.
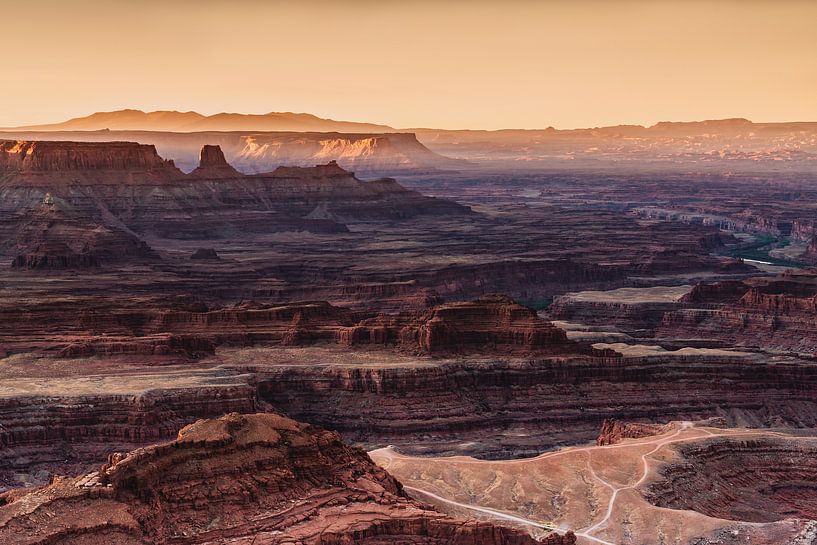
(763, 478)
(239, 479)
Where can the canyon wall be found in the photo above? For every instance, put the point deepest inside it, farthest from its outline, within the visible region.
(239, 478)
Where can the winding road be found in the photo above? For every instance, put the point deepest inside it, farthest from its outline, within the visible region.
(388, 454)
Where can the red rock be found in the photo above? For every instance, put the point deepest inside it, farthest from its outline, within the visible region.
(80, 162)
(212, 164)
(613, 431)
(240, 477)
(488, 322)
(49, 238)
(756, 480)
(768, 312)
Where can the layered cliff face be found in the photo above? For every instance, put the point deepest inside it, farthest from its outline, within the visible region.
(491, 321)
(494, 407)
(377, 152)
(487, 324)
(128, 185)
(74, 422)
(239, 478)
(634, 310)
(186, 327)
(83, 162)
(767, 312)
(394, 152)
(614, 431)
(759, 480)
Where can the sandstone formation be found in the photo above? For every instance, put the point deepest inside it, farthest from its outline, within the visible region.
(777, 313)
(47, 237)
(213, 165)
(238, 479)
(633, 310)
(493, 324)
(761, 479)
(374, 153)
(613, 431)
(496, 407)
(128, 186)
(489, 323)
(31, 162)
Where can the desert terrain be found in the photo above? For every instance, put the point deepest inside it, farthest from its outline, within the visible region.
(560, 355)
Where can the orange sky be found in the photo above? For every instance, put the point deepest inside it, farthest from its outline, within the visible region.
(414, 63)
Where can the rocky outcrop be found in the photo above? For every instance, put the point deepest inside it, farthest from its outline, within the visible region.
(810, 254)
(64, 433)
(212, 164)
(185, 327)
(78, 162)
(714, 293)
(156, 326)
(251, 151)
(128, 186)
(756, 480)
(239, 478)
(777, 313)
(53, 255)
(488, 322)
(50, 238)
(613, 431)
(394, 152)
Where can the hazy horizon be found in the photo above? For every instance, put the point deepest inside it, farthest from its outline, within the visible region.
(233, 112)
(416, 64)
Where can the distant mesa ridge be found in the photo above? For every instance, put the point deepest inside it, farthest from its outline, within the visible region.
(101, 159)
(173, 121)
(45, 156)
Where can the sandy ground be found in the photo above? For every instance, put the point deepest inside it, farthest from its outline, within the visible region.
(594, 491)
(654, 294)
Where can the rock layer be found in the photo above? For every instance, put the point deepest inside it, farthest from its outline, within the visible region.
(778, 313)
(756, 480)
(235, 480)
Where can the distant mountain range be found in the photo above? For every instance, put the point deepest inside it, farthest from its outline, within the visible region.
(257, 143)
(171, 121)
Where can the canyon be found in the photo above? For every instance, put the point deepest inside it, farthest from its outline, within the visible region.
(234, 480)
(569, 357)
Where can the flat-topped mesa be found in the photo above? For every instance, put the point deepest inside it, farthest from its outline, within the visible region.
(239, 478)
(485, 322)
(212, 164)
(779, 312)
(490, 322)
(83, 161)
(329, 170)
